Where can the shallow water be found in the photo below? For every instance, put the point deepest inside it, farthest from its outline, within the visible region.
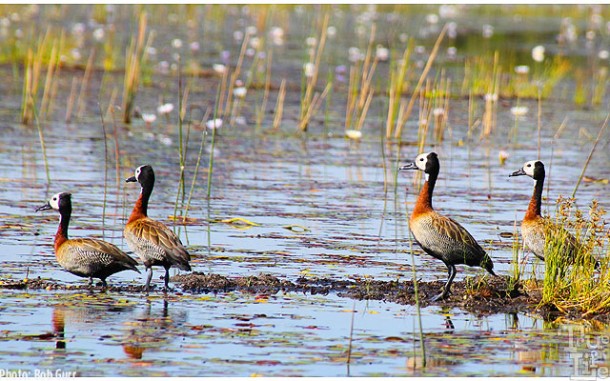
(347, 220)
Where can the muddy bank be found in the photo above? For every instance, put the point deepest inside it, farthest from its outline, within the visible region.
(480, 295)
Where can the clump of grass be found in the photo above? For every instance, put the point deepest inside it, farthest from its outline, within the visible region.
(572, 284)
(406, 111)
(134, 59)
(397, 88)
(34, 63)
(310, 100)
(360, 92)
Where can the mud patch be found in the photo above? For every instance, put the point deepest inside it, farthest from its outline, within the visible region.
(480, 295)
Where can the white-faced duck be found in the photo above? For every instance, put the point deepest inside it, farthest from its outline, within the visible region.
(155, 243)
(537, 230)
(85, 257)
(438, 235)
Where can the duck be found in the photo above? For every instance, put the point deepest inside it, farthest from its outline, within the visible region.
(151, 240)
(440, 236)
(85, 257)
(536, 229)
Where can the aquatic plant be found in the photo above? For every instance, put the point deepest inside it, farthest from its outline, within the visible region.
(279, 106)
(310, 100)
(360, 92)
(397, 87)
(134, 59)
(405, 115)
(575, 285)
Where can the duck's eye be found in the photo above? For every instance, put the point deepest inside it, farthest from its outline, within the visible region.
(54, 198)
(529, 165)
(421, 159)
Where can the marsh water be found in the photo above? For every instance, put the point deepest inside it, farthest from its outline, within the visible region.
(324, 207)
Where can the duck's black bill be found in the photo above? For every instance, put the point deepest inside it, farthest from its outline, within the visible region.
(46, 206)
(408, 166)
(517, 173)
(131, 179)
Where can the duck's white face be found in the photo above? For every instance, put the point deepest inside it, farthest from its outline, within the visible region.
(528, 168)
(54, 201)
(138, 171)
(421, 160)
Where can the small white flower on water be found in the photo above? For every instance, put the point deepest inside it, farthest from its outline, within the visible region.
(255, 42)
(354, 54)
(76, 54)
(353, 134)
(419, 49)
(502, 156)
(149, 118)
(331, 31)
(251, 30)
(194, 46)
(491, 97)
(538, 53)
(213, 124)
(432, 18)
(519, 110)
(309, 69)
(403, 37)
(382, 53)
(165, 140)
(238, 35)
(603, 54)
(311, 41)
(250, 52)
(240, 121)
(522, 69)
(452, 51)
(447, 11)
(78, 29)
(488, 31)
(452, 29)
(5, 22)
(165, 108)
(176, 43)
(164, 67)
(151, 51)
(219, 68)
(98, 34)
(240, 92)
(590, 35)
(276, 32)
(439, 111)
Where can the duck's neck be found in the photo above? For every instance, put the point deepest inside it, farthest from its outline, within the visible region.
(424, 201)
(140, 209)
(534, 207)
(62, 230)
